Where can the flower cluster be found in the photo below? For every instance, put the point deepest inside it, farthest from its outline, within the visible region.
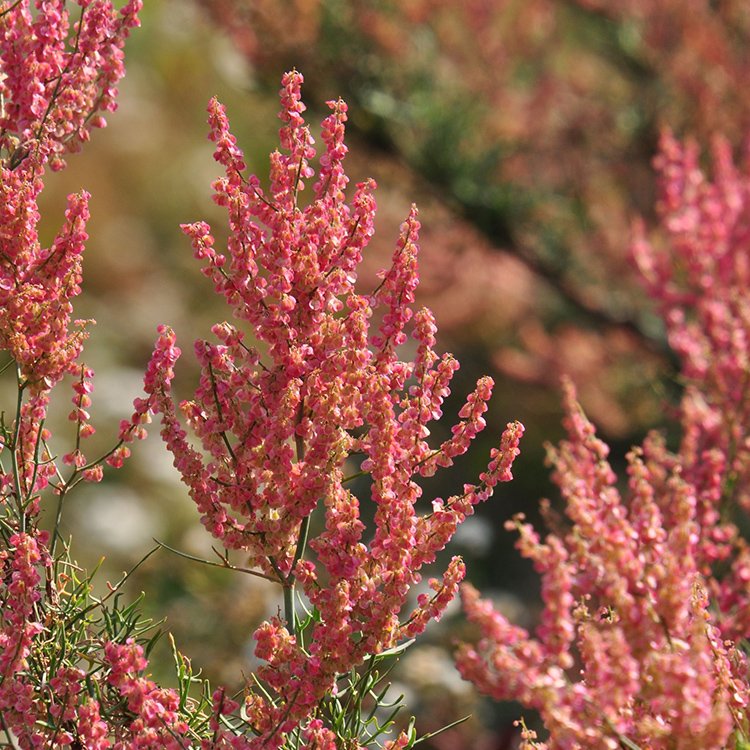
(63, 677)
(55, 77)
(700, 281)
(534, 124)
(57, 74)
(156, 721)
(319, 398)
(19, 626)
(645, 592)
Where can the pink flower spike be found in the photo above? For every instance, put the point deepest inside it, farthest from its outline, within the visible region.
(279, 429)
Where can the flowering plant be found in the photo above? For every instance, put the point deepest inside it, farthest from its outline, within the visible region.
(279, 432)
(312, 441)
(283, 431)
(642, 639)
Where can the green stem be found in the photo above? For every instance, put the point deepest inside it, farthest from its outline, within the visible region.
(225, 564)
(302, 540)
(289, 610)
(14, 454)
(289, 613)
(58, 521)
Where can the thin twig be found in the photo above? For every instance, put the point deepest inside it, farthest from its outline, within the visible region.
(225, 564)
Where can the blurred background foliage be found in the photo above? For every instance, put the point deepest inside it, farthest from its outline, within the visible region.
(524, 131)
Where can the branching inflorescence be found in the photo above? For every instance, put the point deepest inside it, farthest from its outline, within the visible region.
(282, 433)
(645, 592)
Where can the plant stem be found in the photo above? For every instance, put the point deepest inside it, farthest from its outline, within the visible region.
(14, 454)
(289, 613)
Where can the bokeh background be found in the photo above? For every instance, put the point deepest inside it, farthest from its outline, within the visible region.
(524, 131)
